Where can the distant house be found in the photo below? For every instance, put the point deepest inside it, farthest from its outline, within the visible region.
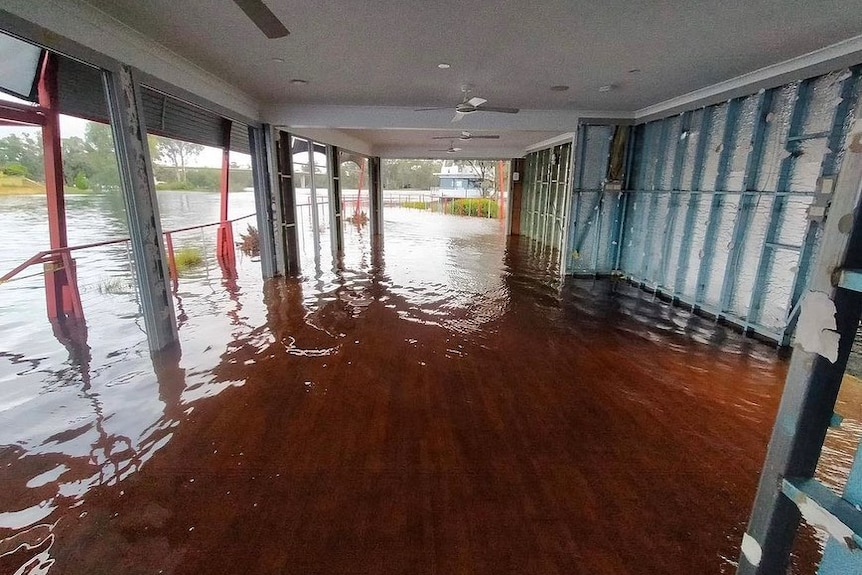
(459, 182)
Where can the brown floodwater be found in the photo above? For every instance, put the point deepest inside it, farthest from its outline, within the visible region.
(444, 404)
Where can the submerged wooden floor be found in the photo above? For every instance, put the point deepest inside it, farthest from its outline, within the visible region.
(541, 429)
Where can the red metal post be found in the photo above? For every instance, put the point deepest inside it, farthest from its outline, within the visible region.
(224, 240)
(357, 210)
(172, 261)
(61, 287)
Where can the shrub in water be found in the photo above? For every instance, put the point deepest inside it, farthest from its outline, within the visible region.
(250, 242)
(416, 205)
(480, 207)
(188, 257)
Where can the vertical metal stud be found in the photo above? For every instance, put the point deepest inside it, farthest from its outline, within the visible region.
(621, 217)
(648, 273)
(813, 381)
(747, 201)
(840, 125)
(262, 160)
(693, 200)
(335, 224)
(142, 209)
(764, 267)
(643, 163)
(376, 197)
(704, 275)
(315, 216)
(566, 209)
(673, 205)
(287, 205)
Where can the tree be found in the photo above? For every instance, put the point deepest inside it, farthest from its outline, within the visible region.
(75, 160)
(24, 149)
(411, 174)
(100, 159)
(178, 153)
(485, 170)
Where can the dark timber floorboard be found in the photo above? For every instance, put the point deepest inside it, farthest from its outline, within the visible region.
(537, 429)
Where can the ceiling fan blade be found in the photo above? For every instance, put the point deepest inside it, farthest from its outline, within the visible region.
(475, 137)
(501, 110)
(263, 18)
(427, 109)
(458, 116)
(476, 101)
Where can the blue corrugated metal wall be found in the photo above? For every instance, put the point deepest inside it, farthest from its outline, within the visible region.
(716, 203)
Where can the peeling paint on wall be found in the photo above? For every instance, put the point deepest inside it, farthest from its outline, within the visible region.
(818, 517)
(751, 549)
(816, 332)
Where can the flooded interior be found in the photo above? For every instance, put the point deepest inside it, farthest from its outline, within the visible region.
(442, 404)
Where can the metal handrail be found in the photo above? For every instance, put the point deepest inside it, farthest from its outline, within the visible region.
(51, 255)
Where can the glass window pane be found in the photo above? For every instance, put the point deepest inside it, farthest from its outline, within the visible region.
(19, 63)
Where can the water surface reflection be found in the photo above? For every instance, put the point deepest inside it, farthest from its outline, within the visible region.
(442, 404)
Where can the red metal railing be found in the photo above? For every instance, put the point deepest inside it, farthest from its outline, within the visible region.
(60, 259)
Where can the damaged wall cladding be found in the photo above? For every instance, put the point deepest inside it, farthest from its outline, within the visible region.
(543, 202)
(716, 204)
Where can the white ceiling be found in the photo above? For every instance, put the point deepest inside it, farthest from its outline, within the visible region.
(385, 52)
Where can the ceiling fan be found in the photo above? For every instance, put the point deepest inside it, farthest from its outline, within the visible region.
(263, 18)
(465, 136)
(469, 105)
(450, 150)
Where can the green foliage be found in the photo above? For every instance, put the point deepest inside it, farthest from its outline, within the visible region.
(115, 286)
(416, 205)
(175, 186)
(486, 170)
(177, 153)
(480, 207)
(208, 179)
(24, 149)
(99, 158)
(15, 169)
(90, 162)
(188, 257)
(81, 181)
(349, 176)
(411, 174)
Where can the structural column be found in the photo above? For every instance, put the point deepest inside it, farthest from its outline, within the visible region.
(142, 210)
(224, 241)
(375, 192)
(516, 189)
(61, 285)
(335, 208)
(287, 203)
(269, 228)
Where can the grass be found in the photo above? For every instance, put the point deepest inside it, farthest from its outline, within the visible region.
(416, 205)
(188, 257)
(19, 185)
(115, 286)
